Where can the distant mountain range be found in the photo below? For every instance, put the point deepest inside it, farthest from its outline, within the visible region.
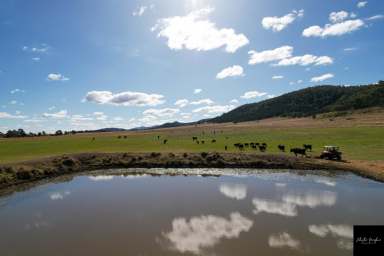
(302, 103)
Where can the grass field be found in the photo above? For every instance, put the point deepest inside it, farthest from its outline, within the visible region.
(356, 142)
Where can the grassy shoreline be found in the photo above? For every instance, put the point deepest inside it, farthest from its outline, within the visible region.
(34, 170)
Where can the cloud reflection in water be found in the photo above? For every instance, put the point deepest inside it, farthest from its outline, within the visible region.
(234, 191)
(205, 231)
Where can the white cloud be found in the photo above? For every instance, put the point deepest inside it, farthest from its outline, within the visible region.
(56, 77)
(182, 103)
(5, 115)
(283, 240)
(162, 113)
(141, 10)
(343, 234)
(344, 231)
(277, 77)
(196, 32)
(203, 102)
(349, 49)
(375, 17)
(36, 59)
(59, 195)
(17, 91)
(268, 206)
(234, 101)
(321, 78)
(253, 94)
(233, 71)
(235, 191)
(279, 23)
(280, 53)
(100, 116)
(197, 91)
(305, 60)
(311, 199)
(336, 29)
(336, 17)
(101, 177)
(213, 110)
(362, 4)
(326, 182)
(58, 115)
(124, 98)
(44, 48)
(205, 231)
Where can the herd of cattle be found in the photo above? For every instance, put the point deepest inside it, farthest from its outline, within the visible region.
(254, 146)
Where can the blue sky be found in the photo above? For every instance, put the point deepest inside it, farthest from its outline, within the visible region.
(86, 64)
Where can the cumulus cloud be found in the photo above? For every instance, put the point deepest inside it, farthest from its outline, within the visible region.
(336, 17)
(362, 4)
(335, 29)
(233, 71)
(56, 77)
(58, 115)
(202, 102)
(311, 199)
(182, 103)
(197, 91)
(280, 53)
(162, 113)
(321, 78)
(253, 94)
(196, 32)
(277, 77)
(124, 98)
(205, 231)
(213, 110)
(283, 240)
(343, 234)
(279, 23)
(305, 60)
(234, 191)
(273, 207)
(5, 115)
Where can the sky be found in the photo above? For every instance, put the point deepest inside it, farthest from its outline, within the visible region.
(89, 64)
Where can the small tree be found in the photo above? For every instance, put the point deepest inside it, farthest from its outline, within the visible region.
(59, 132)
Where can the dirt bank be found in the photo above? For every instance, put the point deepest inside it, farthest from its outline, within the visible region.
(39, 169)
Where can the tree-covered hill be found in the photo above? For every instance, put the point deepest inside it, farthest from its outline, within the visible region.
(309, 101)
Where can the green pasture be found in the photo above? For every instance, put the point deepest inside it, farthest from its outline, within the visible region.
(359, 143)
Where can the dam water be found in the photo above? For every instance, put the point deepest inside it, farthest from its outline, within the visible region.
(231, 213)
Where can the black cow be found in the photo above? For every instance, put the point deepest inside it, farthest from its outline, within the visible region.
(307, 147)
(263, 148)
(213, 141)
(203, 141)
(226, 148)
(194, 138)
(165, 141)
(281, 148)
(299, 151)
